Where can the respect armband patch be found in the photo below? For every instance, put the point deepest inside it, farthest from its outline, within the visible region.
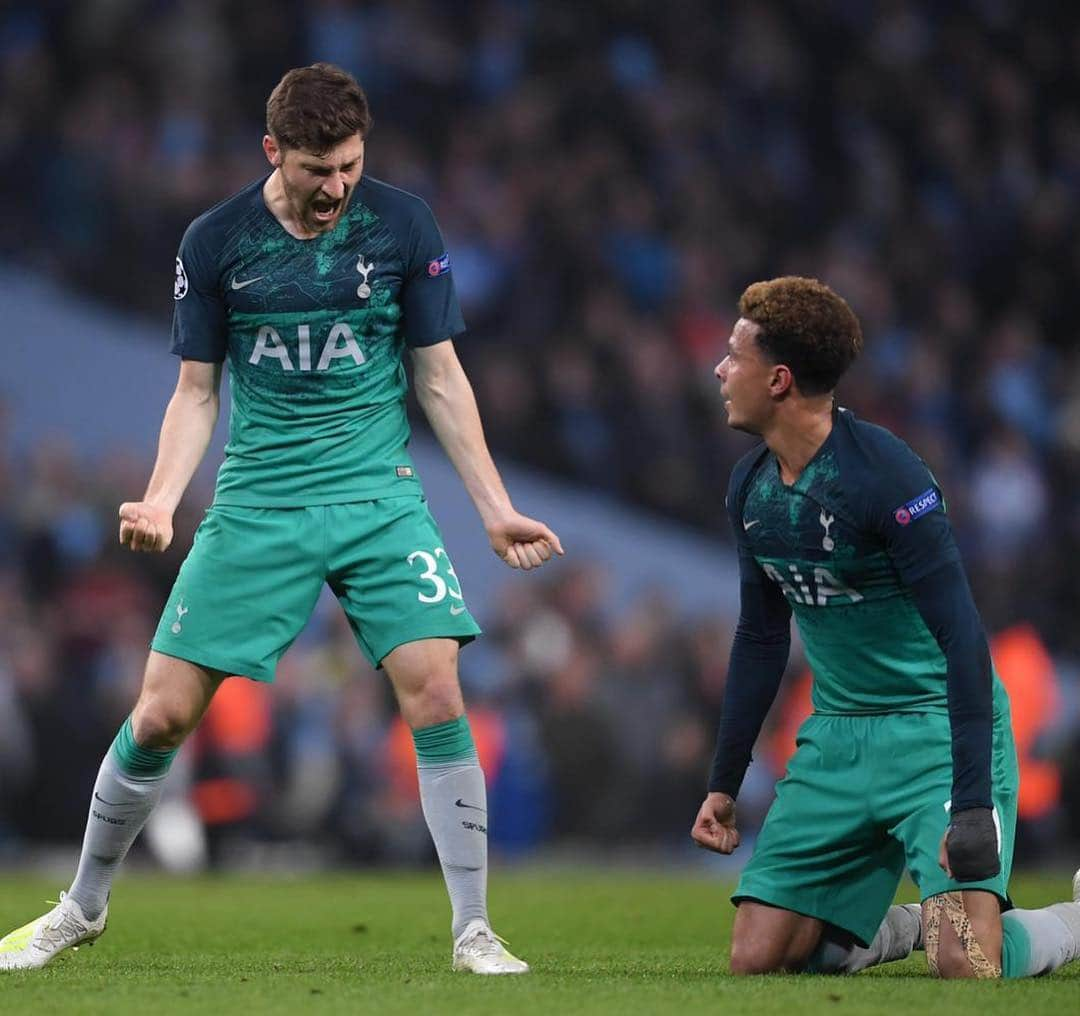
(927, 501)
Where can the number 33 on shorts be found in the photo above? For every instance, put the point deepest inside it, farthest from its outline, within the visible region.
(436, 588)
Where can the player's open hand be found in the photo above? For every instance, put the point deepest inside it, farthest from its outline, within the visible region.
(144, 526)
(714, 827)
(522, 542)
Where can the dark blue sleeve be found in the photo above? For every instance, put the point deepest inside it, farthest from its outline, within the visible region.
(945, 602)
(429, 303)
(908, 509)
(759, 655)
(199, 329)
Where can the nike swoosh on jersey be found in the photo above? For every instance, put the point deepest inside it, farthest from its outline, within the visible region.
(237, 284)
(457, 610)
(461, 804)
(747, 525)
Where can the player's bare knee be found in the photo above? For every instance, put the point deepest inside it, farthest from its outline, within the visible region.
(161, 725)
(435, 701)
(426, 685)
(747, 960)
(752, 955)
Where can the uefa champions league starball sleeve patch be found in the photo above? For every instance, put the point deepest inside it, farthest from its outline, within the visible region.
(180, 285)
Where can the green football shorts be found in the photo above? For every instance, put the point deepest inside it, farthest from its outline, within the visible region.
(253, 576)
(863, 798)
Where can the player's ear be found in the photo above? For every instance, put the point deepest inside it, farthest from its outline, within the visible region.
(272, 150)
(782, 380)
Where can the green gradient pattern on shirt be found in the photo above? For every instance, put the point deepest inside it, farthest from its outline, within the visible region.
(867, 645)
(316, 372)
(314, 332)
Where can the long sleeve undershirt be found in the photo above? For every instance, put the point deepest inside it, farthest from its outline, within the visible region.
(944, 601)
(759, 655)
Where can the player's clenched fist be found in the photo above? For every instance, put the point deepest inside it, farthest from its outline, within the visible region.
(144, 526)
(522, 542)
(714, 827)
(969, 851)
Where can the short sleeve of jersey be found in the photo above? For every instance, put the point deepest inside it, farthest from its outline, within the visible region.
(906, 507)
(429, 303)
(200, 324)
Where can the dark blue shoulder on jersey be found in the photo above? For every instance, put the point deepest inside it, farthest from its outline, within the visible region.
(739, 481)
(738, 485)
(200, 322)
(895, 496)
(429, 303)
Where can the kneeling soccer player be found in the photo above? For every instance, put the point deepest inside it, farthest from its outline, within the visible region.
(312, 282)
(907, 759)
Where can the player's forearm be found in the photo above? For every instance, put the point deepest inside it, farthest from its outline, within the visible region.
(759, 655)
(753, 680)
(185, 435)
(449, 404)
(971, 720)
(945, 603)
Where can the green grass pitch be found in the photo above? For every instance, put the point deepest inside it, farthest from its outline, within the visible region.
(379, 943)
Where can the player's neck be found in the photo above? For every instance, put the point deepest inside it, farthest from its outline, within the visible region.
(796, 435)
(281, 208)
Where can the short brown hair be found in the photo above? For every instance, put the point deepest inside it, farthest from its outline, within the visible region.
(806, 326)
(316, 108)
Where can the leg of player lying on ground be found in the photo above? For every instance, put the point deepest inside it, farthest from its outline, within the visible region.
(317, 488)
(907, 760)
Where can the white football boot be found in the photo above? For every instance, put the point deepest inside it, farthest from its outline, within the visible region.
(35, 944)
(480, 951)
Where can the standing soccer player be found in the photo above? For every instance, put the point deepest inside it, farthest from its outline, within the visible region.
(908, 757)
(312, 282)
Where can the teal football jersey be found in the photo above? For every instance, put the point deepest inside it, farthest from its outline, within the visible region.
(314, 333)
(864, 520)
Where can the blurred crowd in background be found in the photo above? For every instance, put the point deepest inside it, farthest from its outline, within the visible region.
(609, 177)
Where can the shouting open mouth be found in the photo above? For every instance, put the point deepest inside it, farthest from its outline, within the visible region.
(325, 209)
